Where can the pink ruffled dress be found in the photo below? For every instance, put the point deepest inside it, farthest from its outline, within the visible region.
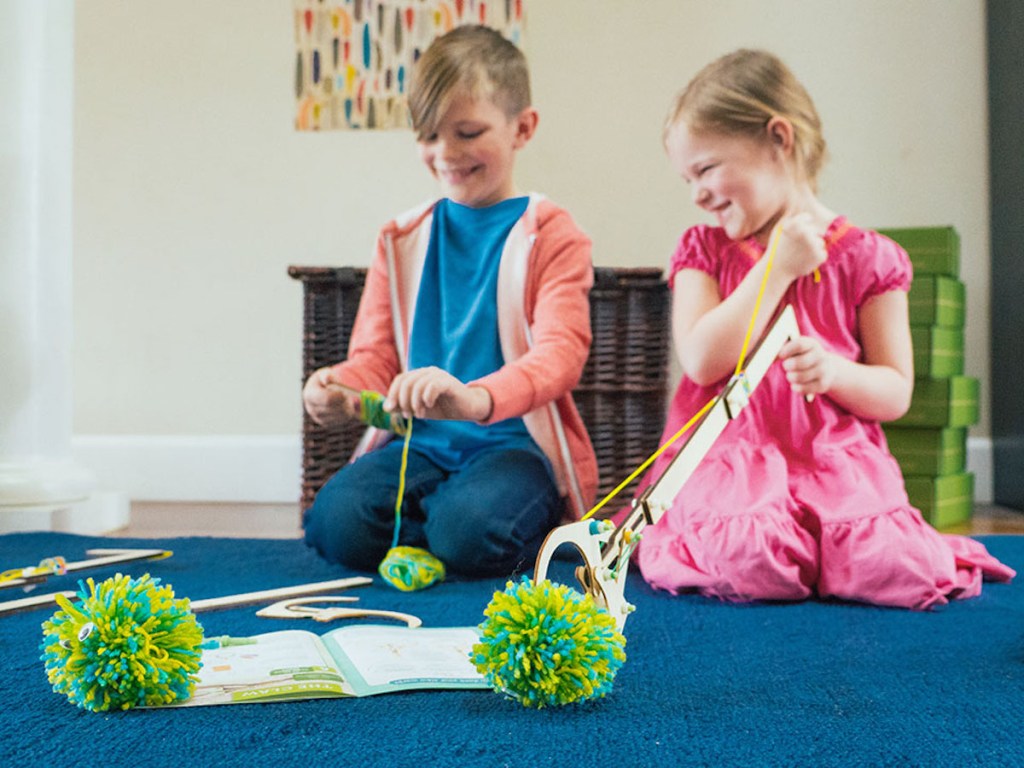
(797, 499)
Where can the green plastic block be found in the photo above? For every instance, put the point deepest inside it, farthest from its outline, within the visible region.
(932, 250)
(938, 352)
(937, 300)
(925, 451)
(943, 501)
(951, 402)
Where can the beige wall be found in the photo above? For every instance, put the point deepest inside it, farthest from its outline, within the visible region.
(192, 192)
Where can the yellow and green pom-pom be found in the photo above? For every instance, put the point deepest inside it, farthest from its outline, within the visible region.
(547, 644)
(410, 568)
(125, 643)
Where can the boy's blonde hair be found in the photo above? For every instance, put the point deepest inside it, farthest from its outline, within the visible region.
(740, 93)
(469, 59)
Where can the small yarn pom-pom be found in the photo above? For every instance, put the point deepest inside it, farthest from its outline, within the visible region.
(372, 412)
(547, 644)
(124, 643)
(410, 568)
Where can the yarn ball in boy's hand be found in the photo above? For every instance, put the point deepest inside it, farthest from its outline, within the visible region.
(547, 644)
(410, 568)
(124, 643)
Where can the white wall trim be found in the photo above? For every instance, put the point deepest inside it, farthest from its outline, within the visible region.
(236, 468)
(979, 461)
(268, 468)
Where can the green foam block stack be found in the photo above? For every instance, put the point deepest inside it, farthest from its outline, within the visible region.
(930, 441)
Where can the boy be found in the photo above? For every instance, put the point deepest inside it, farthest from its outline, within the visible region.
(475, 322)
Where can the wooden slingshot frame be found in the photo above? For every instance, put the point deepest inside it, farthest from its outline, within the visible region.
(606, 548)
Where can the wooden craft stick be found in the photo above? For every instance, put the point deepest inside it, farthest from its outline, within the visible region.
(28, 603)
(345, 388)
(271, 595)
(99, 558)
(210, 604)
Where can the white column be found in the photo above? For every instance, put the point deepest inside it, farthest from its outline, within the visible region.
(41, 487)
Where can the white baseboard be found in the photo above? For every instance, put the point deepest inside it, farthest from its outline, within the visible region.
(979, 461)
(234, 468)
(95, 515)
(268, 468)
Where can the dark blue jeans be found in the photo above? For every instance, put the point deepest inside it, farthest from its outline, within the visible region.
(488, 518)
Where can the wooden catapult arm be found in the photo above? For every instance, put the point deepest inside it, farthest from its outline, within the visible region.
(606, 548)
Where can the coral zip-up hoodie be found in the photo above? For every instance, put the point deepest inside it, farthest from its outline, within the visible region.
(544, 280)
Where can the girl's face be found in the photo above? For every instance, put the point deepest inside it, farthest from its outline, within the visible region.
(745, 183)
(472, 152)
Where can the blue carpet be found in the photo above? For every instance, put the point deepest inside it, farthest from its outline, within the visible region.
(705, 683)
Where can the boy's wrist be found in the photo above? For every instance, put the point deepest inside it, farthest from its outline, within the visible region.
(483, 403)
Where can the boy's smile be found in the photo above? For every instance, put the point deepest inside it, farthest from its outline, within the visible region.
(472, 151)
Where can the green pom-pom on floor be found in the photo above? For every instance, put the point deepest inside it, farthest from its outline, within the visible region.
(547, 645)
(124, 643)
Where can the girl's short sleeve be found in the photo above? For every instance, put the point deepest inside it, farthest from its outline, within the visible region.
(885, 267)
(694, 252)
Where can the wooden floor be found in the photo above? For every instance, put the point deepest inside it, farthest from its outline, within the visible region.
(157, 519)
(281, 521)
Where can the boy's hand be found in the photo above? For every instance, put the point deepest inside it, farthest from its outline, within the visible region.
(810, 368)
(327, 402)
(801, 246)
(430, 393)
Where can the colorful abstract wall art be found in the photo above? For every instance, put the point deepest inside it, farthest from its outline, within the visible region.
(353, 57)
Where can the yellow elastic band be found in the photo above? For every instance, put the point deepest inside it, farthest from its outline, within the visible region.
(401, 481)
(650, 459)
(773, 246)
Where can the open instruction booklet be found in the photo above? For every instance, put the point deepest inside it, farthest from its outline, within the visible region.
(357, 660)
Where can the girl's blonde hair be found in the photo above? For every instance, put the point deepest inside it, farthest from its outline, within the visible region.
(469, 59)
(740, 93)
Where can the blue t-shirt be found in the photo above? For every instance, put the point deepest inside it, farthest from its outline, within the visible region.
(455, 324)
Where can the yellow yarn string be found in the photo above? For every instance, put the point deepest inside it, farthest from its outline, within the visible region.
(371, 412)
(408, 568)
(650, 459)
(401, 482)
(773, 245)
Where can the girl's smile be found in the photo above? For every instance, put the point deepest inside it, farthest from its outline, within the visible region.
(742, 181)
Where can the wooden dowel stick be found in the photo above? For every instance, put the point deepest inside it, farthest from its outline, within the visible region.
(273, 595)
(209, 604)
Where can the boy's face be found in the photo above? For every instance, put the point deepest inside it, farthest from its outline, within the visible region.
(472, 152)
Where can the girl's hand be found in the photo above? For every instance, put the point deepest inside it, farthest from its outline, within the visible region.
(810, 368)
(430, 393)
(327, 402)
(801, 246)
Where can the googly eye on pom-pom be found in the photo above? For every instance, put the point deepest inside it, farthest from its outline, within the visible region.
(124, 643)
(547, 644)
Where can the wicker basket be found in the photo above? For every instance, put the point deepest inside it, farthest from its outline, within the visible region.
(621, 394)
(330, 300)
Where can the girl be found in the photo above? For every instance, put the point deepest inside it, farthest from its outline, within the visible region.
(800, 495)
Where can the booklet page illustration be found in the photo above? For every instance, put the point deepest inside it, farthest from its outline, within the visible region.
(360, 660)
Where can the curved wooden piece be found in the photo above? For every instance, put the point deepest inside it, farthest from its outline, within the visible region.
(305, 608)
(606, 585)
